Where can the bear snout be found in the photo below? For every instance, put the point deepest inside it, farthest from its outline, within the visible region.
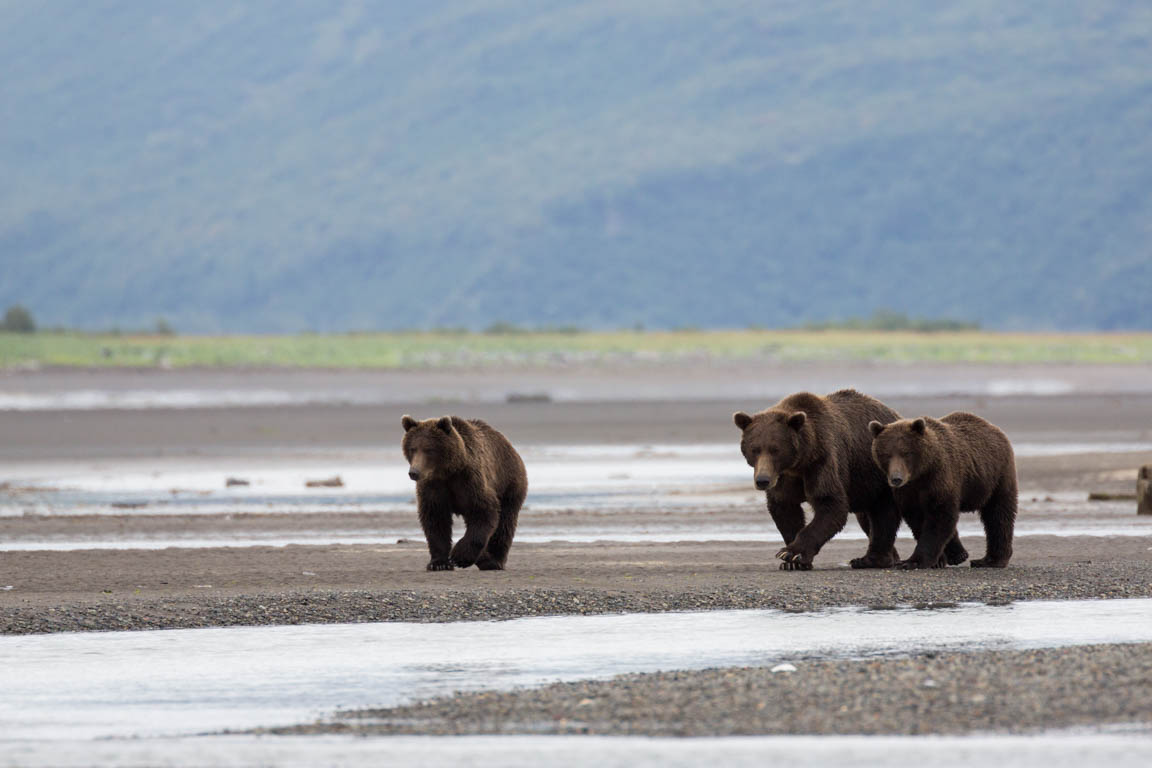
(764, 482)
(413, 473)
(895, 481)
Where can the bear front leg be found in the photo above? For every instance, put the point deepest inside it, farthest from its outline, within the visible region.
(437, 525)
(954, 552)
(481, 521)
(937, 528)
(784, 507)
(830, 514)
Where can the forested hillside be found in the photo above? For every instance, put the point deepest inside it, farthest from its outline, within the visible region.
(283, 166)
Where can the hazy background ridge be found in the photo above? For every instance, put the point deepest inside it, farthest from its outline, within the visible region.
(288, 166)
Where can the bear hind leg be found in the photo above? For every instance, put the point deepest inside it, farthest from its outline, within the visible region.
(999, 518)
(954, 551)
(880, 524)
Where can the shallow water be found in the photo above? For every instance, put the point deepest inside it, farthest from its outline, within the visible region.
(181, 682)
(624, 493)
(1054, 750)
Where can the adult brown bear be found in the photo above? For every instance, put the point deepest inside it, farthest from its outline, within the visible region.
(817, 449)
(465, 467)
(940, 467)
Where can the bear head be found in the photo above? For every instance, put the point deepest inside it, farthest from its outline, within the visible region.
(772, 442)
(433, 448)
(902, 449)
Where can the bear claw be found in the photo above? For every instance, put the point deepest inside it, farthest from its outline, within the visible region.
(440, 565)
(794, 561)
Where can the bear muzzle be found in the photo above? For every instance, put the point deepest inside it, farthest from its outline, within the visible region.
(764, 482)
(414, 473)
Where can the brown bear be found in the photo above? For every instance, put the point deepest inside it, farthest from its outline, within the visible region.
(465, 467)
(940, 467)
(817, 449)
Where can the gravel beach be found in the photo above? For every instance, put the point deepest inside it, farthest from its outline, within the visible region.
(946, 693)
(182, 588)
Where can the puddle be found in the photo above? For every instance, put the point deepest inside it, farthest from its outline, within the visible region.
(1052, 750)
(184, 682)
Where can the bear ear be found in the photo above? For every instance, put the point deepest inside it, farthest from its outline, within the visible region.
(407, 422)
(445, 423)
(918, 426)
(797, 419)
(741, 419)
(876, 428)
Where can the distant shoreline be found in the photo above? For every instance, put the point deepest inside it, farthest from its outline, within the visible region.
(419, 350)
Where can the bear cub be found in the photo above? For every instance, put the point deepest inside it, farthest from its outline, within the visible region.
(817, 449)
(465, 467)
(940, 467)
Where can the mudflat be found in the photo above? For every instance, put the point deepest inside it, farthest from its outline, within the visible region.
(136, 588)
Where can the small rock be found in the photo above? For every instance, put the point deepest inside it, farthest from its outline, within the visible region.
(783, 668)
(234, 481)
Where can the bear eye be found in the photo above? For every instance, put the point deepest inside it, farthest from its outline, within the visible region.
(772, 451)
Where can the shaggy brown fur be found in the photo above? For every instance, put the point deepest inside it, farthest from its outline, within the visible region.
(938, 468)
(467, 468)
(817, 449)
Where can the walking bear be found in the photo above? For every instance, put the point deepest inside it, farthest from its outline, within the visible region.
(467, 468)
(938, 468)
(817, 449)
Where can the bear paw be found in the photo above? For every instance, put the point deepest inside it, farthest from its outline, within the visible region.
(955, 557)
(439, 565)
(985, 562)
(914, 563)
(464, 555)
(488, 564)
(794, 560)
(872, 561)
